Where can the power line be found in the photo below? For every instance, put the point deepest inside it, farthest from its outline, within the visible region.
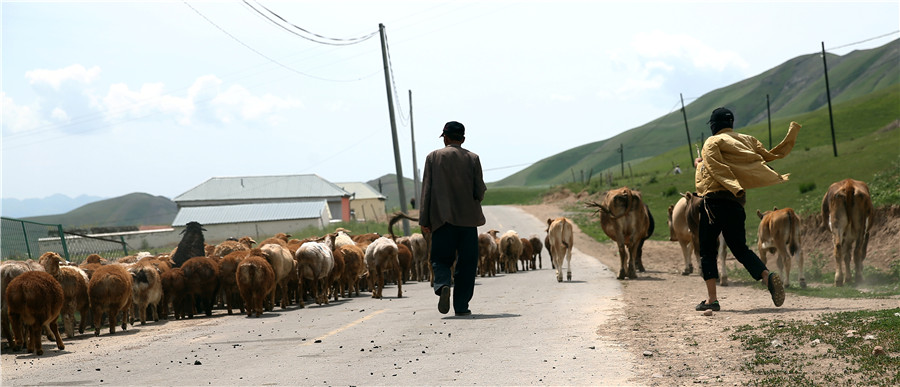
(264, 55)
(863, 41)
(321, 38)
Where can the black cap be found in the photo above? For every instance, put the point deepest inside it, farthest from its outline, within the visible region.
(721, 115)
(454, 130)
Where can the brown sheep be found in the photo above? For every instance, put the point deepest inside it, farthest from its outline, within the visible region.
(405, 258)
(255, 280)
(146, 287)
(110, 292)
(34, 300)
(8, 271)
(280, 239)
(536, 247)
(510, 250)
(174, 291)
(227, 247)
(365, 238)
(74, 283)
(486, 247)
(228, 281)
(201, 276)
(354, 267)
(337, 274)
(526, 255)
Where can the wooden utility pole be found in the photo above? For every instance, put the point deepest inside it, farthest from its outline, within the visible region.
(828, 94)
(397, 163)
(416, 183)
(622, 159)
(686, 130)
(769, 114)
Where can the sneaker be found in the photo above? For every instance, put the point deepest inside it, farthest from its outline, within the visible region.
(776, 289)
(444, 302)
(704, 306)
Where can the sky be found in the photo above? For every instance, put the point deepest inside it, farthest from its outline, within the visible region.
(110, 98)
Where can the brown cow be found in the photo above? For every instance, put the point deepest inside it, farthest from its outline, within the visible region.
(779, 231)
(560, 241)
(847, 210)
(626, 220)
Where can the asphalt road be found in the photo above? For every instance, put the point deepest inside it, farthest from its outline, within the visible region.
(526, 329)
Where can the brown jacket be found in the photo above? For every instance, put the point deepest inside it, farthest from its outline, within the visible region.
(452, 189)
(736, 162)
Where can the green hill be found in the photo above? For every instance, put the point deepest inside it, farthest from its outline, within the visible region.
(129, 210)
(795, 87)
(388, 187)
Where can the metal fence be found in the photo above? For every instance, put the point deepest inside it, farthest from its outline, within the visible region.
(22, 239)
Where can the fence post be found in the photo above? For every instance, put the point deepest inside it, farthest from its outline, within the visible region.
(27, 245)
(124, 245)
(62, 240)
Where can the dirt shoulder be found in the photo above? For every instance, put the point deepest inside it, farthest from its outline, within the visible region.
(676, 345)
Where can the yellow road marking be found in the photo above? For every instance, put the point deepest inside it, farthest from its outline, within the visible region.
(345, 327)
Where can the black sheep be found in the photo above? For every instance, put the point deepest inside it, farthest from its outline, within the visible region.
(191, 245)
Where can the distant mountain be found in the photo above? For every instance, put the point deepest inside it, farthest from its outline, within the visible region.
(387, 185)
(135, 209)
(794, 87)
(55, 204)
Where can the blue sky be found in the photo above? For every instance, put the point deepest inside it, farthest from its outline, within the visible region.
(110, 98)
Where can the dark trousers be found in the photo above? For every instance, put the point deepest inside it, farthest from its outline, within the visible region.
(451, 243)
(725, 216)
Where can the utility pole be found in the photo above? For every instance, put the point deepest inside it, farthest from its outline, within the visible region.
(622, 159)
(397, 163)
(828, 94)
(416, 183)
(769, 114)
(686, 130)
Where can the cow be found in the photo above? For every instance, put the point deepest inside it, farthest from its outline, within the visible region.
(684, 223)
(560, 241)
(847, 210)
(779, 231)
(626, 220)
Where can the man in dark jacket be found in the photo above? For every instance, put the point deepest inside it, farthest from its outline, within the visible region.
(452, 190)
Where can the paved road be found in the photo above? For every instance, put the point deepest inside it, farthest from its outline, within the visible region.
(526, 329)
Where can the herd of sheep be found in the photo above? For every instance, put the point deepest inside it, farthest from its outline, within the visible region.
(234, 274)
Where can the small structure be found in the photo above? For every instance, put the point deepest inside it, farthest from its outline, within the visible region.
(366, 203)
(261, 205)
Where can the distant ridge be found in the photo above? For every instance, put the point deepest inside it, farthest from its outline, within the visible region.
(135, 209)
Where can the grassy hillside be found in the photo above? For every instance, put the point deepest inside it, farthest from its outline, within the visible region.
(795, 87)
(129, 210)
(389, 189)
(868, 150)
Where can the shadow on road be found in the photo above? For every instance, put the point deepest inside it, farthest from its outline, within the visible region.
(483, 316)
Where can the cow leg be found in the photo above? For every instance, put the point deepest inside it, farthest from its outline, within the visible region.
(569, 264)
(859, 255)
(686, 253)
(799, 255)
(623, 261)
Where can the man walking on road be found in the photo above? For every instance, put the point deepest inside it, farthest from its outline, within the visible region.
(728, 164)
(452, 190)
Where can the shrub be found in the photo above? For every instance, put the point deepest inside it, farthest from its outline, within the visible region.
(671, 191)
(806, 187)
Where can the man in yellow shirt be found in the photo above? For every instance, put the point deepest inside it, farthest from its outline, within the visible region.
(729, 164)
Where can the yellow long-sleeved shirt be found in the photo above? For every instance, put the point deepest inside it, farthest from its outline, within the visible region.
(736, 162)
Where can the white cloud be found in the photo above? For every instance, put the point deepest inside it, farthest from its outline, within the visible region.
(121, 102)
(237, 99)
(18, 118)
(59, 115)
(657, 44)
(55, 78)
(561, 98)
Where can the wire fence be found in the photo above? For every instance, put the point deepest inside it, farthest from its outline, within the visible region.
(22, 239)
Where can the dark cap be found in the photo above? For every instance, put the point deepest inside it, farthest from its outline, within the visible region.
(454, 130)
(721, 115)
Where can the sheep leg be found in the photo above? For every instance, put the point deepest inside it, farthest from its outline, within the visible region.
(83, 321)
(34, 342)
(55, 329)
(69, 322)
(17, 339)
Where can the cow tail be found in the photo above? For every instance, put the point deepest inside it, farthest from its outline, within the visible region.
(792, 242)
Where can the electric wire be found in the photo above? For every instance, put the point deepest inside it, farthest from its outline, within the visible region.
(863, 41)
(325, 39)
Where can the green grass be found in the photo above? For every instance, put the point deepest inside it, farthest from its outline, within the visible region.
(513, 195)
(792, 352)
